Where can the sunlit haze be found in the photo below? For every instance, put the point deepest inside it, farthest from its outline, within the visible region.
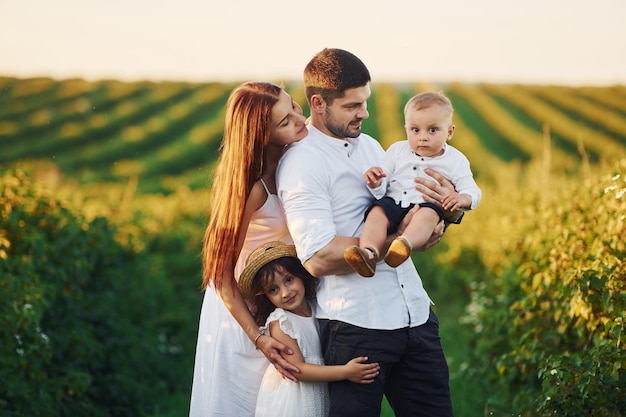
(530, 41)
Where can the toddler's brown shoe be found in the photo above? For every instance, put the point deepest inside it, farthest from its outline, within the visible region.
(399, 251)
(363, 261)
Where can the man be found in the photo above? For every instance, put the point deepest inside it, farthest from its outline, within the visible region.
(387, 317)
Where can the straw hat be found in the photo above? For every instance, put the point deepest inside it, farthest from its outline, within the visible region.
(260, 257)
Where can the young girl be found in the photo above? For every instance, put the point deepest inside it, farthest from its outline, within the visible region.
(281, 290)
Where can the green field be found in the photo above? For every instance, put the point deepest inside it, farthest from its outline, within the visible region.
(141, 155)
(166, 134)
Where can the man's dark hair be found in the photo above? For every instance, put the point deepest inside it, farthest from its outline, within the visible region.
(333, 71)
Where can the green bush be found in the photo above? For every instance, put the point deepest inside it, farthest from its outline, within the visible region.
(548, 332)
(81, 326)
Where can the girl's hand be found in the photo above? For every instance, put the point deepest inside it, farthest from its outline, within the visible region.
(360, 372)
(275, 353)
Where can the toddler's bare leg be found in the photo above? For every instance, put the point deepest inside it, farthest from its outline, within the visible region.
(416, 234)
(421, 227)
(375, 229)
(363, 258)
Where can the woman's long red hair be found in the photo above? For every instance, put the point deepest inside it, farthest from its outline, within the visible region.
(240, 165)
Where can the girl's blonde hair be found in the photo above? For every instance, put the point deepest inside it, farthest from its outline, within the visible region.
(240, 165)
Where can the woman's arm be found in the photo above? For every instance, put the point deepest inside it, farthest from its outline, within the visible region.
(273, 350)
(356, 370)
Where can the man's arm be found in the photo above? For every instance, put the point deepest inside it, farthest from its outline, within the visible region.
(329, 260)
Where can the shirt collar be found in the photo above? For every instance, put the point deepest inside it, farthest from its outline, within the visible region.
(445, 149)
(346, 146)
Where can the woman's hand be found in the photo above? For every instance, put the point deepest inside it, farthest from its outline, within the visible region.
(275, 353)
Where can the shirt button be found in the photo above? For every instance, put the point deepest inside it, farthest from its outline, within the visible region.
(345, 144)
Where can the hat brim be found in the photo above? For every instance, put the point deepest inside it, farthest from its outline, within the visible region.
(260, 257)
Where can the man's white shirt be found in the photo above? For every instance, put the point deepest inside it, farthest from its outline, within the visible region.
(320, 183)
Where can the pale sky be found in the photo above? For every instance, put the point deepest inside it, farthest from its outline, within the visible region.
(569, 42)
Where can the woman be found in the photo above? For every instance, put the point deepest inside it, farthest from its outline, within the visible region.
(261, 119)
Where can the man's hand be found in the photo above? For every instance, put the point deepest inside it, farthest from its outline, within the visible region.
(435, 191)
(434, 238)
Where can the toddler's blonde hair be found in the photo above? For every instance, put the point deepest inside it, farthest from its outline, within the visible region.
(428, 99)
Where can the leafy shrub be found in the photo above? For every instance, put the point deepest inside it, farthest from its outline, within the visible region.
(81, 330)
(548, 331)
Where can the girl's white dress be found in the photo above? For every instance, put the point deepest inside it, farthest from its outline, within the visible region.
(280, 397)
(228, 369)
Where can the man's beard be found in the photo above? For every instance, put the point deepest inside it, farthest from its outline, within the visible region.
(339, 130)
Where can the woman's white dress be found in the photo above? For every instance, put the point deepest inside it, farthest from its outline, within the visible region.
(228, 369)
(280, 397)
